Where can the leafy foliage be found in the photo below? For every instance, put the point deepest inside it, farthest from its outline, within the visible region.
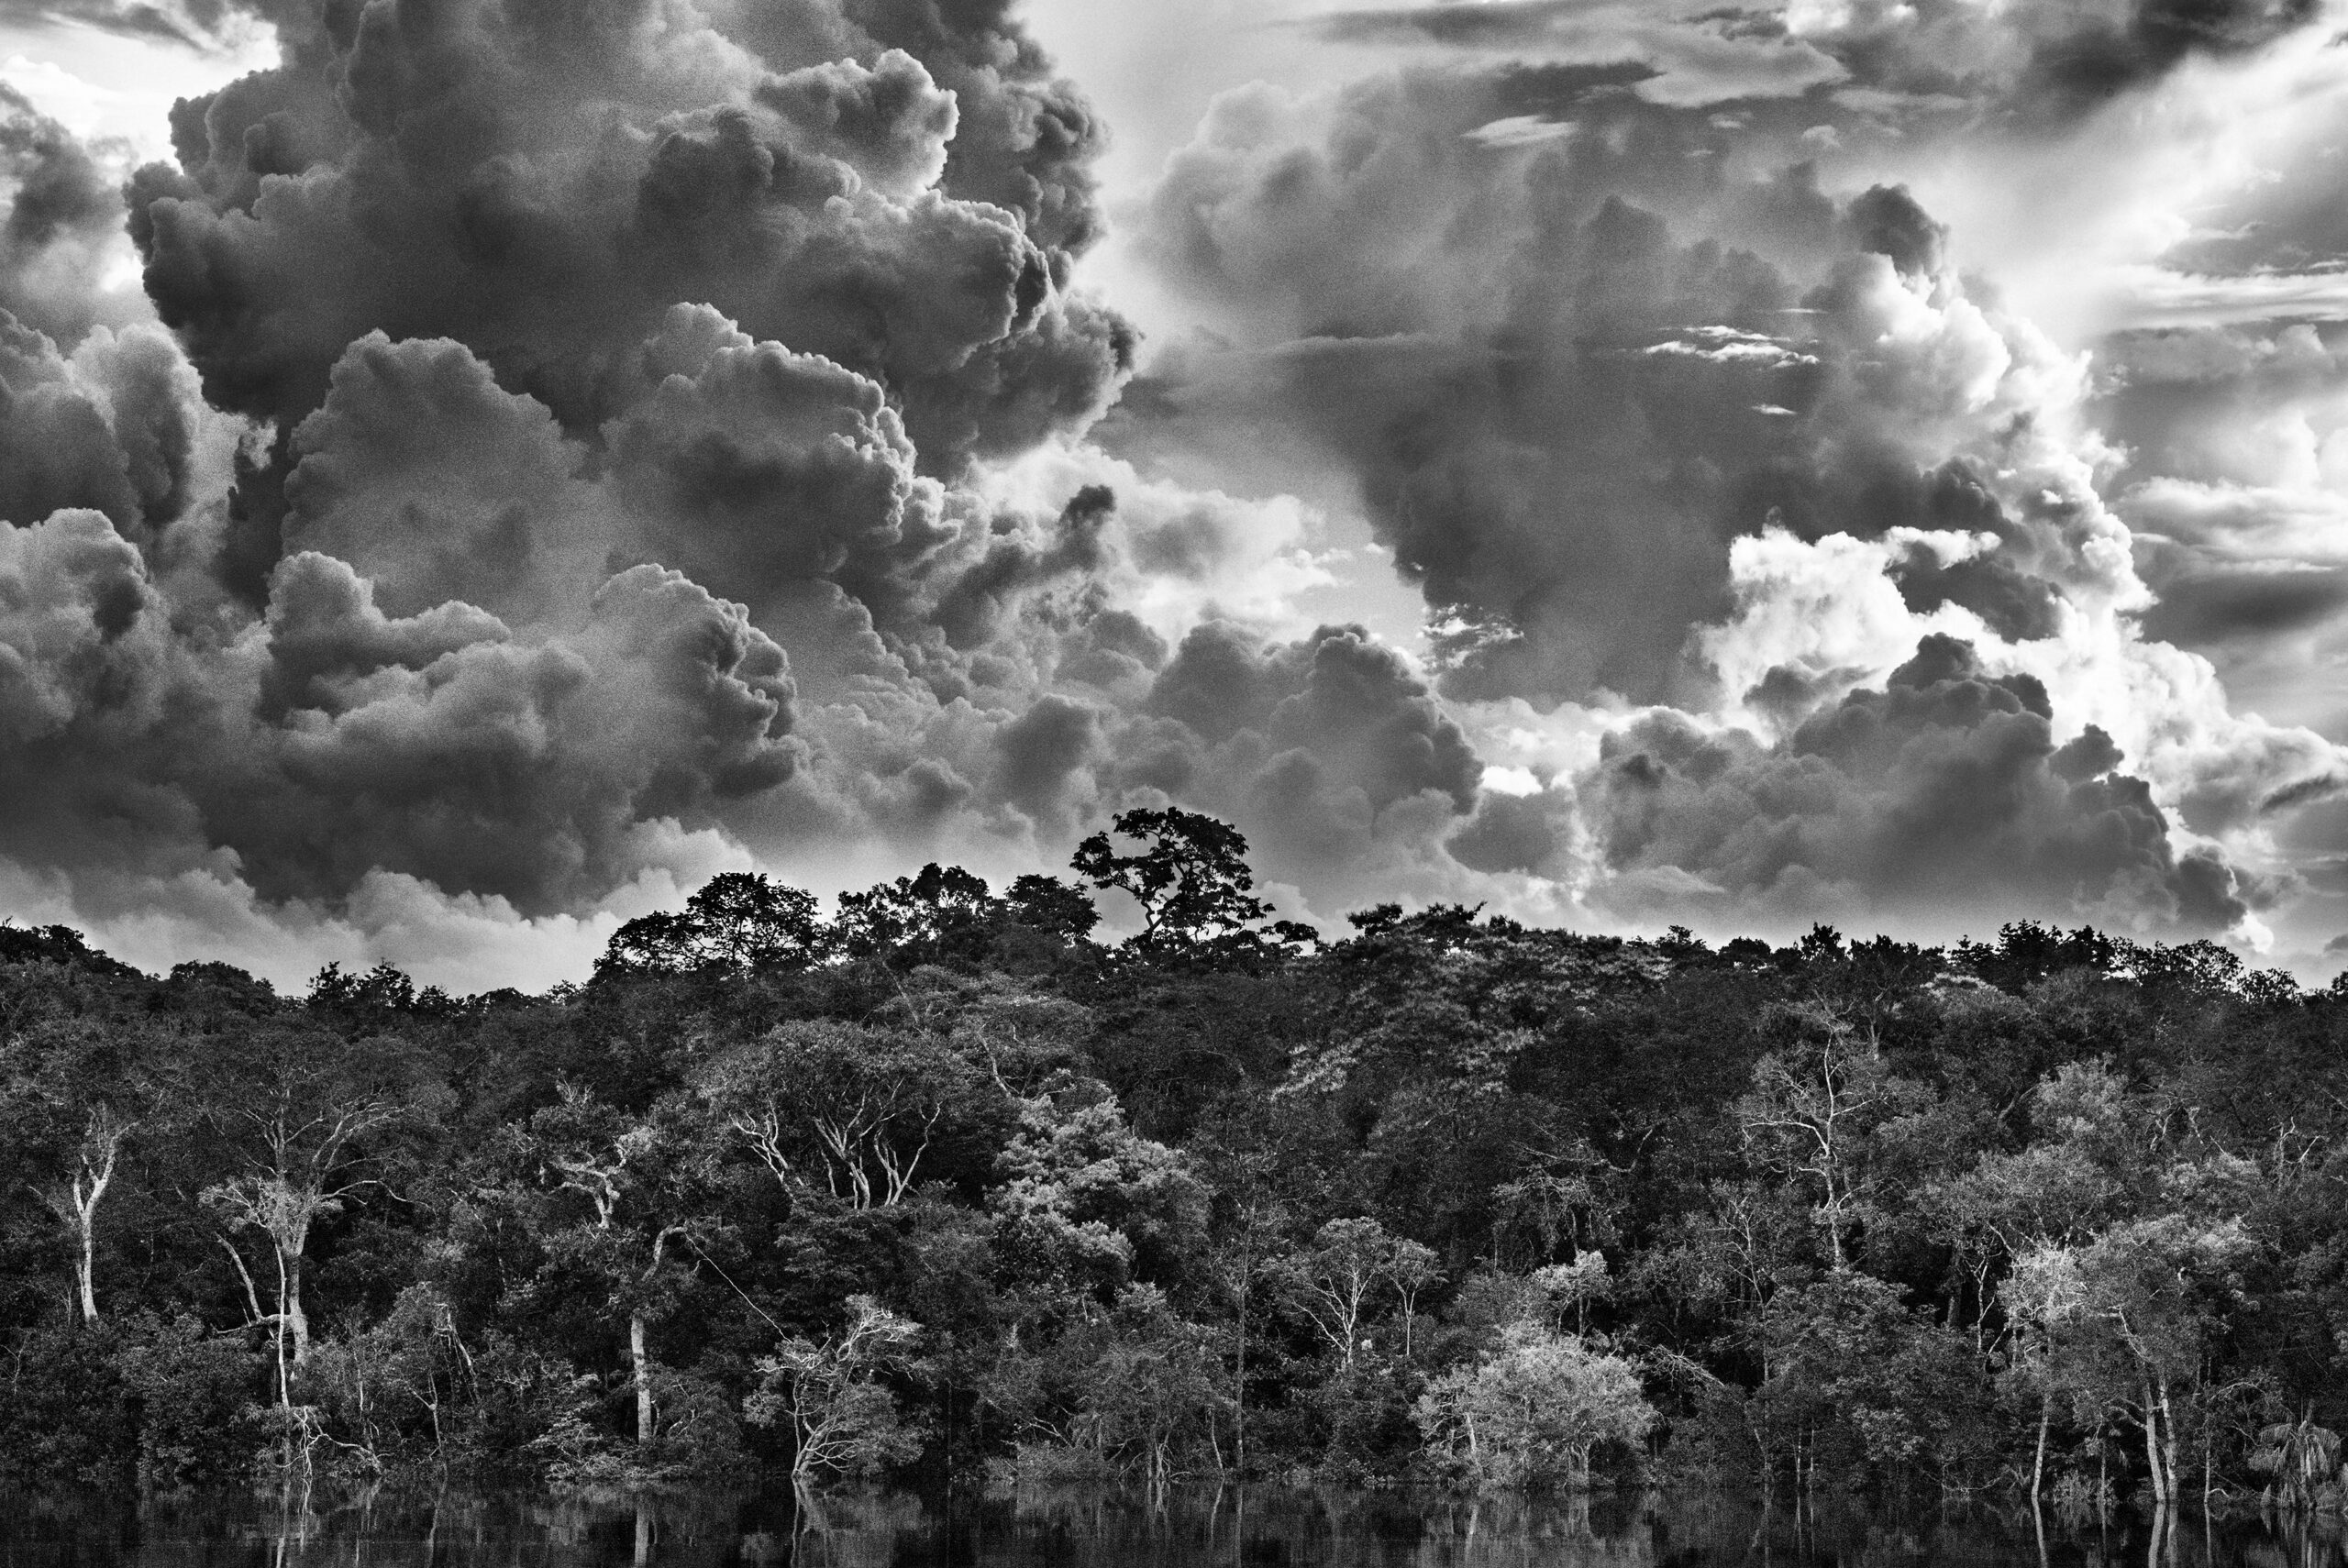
(936, 1180)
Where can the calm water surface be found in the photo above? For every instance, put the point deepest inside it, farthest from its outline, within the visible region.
(1186, 1529)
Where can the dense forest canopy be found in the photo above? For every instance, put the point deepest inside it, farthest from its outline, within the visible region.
(941, 1182)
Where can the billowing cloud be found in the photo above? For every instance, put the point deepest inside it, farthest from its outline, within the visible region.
(544, 189)
(64, 217)
(1560, 405)
(1940, 800)
(1674, 433)
(560, 456)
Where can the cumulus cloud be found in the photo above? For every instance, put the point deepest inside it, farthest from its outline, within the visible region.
(1674, 435)
(560, 456)
(63, 225)
(544, 189)
(1939, 799)
(1567, 379)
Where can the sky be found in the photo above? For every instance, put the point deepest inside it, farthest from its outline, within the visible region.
(472, 470)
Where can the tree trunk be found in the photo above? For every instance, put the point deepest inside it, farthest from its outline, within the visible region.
(2038, 1462)
(297, 1321)
(87, 1268)
(77, 1206)
(2168, 1439)
(1239, 1382)
(85, 1220)
(2153, 1446)
(640, 1358)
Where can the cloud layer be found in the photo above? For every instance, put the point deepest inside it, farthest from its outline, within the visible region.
(565, 454)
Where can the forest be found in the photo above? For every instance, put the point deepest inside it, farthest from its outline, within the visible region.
(942, 1183)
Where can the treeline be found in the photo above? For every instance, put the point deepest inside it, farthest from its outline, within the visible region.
(941, 1183)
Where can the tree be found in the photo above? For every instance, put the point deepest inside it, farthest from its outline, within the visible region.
(739, 922)
(1333, 1280)
(72, 1095)
(1087, 1204)
(1049, 904)
(1572, 1286)
(828, 1391)
(1412, 1268)
(299, 1124)
(1243, 1177)
(2144, 1296)
(1534, 1410)
(863, 1106)
(939, 910)
(1191, 876)
(584, 1146)
(1852, 1373)
(2023, 1209)
(1811, 1111)
(1150, 1383)
(75, 1200)
(2043, 1297)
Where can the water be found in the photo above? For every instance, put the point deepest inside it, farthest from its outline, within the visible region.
(1266, 1527)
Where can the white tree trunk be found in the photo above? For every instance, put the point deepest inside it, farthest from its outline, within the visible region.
(640, 1357)
(2153, 1447)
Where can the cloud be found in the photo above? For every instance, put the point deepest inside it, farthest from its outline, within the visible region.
(1329, 748)
(1677, 54)
(1656, 420)
(63, 227)
(2157, 296)
(578, 452)
(446, 177)
(2034, 66)
(333, 740)
(1940, 797)
(1564, 384)
(2195, 610)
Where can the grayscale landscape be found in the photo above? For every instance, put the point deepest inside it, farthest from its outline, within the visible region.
(1174, 780)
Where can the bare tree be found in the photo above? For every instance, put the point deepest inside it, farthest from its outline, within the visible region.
(75, 1200)
(298, 1170)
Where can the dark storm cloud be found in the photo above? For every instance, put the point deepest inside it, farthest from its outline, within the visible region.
(1321, 747)
(2226, 482)
(112, 428)
(757, 472)
(1520, 21)
(438, 485)
(441, 746)
(1942, 792)
(2009, 599)
(2197, 610)
(336, 740)
(436, 172)
(763, 468)
(2096, 58)
(625, 383)
(532, 501)
(1511, 833)
(2037, 65)
(83, 630)
(977, 601)
(1562, 384)
(1028, 137)
(1042, 757)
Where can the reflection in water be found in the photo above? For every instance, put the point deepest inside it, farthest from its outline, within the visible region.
(1261, 1528)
